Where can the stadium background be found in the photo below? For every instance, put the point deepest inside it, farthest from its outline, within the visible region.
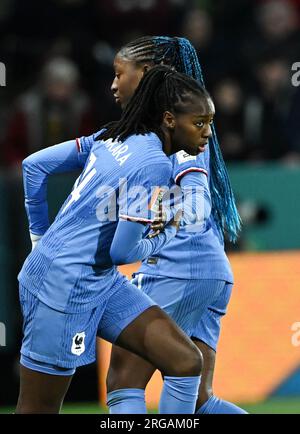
(58, 56)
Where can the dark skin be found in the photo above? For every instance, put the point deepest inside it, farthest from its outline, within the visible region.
(153, 336)
(127, 370)
(189, 131)
(128, 74)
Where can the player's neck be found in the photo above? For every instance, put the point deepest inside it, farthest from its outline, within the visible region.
(167, 144)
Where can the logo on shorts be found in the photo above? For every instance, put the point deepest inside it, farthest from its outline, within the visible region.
(78, 346)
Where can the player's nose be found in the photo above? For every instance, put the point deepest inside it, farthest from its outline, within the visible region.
(114, 86)
(207, 133)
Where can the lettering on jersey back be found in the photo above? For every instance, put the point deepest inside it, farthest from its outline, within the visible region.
(118, 150)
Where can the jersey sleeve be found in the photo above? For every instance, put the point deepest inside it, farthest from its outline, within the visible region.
(140, 193)
(37, 167)
(129, 246)
(184, 163)
(64, 157)
(84, 146)
(197, 201)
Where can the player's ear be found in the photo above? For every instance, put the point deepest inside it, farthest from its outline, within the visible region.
(146, 68)
(169, 120)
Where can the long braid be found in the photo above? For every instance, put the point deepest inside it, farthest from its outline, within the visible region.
(179, 53)
(224, 207)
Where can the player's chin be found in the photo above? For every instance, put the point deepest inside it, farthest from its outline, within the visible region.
(194, 152)
(199, 150)
(120, 102)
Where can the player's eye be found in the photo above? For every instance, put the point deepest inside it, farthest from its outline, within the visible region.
(200, 124)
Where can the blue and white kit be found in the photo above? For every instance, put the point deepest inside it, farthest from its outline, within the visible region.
(70, 289)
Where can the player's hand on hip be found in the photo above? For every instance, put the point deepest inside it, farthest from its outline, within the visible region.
(175, 221)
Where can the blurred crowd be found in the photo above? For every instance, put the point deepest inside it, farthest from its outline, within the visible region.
(59, 54)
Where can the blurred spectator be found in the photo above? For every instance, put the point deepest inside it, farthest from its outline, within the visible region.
(264, 123)
(197, 26)
(52, 111)
(229, 100)
(293, 131)
(277, 29)
(217, 49)
(267, 109)
(278, 19)
(139, 16)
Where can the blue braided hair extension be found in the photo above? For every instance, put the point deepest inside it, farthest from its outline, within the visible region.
(224, 207)
(179, 53)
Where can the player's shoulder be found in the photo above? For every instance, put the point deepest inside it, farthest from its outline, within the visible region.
(183, 163)
(86, 143)
(149, 150)
(147, 141)
(183, 158)
(148, 164)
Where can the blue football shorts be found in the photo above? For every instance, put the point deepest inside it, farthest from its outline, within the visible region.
(57, 343)
(197, 306)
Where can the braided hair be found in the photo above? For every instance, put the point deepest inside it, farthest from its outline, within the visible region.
(161, 89)
(180, 54)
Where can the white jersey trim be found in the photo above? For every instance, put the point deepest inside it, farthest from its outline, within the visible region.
(190, 169)
(135, 219)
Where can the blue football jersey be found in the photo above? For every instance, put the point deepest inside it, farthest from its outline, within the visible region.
(195, 252)
(71, 268)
